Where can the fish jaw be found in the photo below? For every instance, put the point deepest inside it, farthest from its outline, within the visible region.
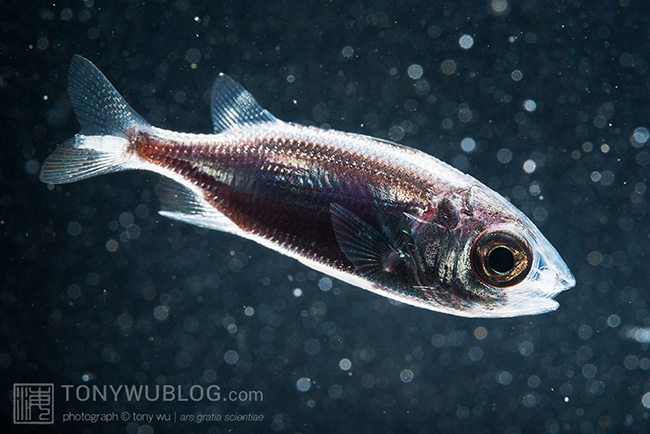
(548, 277)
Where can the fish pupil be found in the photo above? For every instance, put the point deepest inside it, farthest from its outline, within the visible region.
(501, 260)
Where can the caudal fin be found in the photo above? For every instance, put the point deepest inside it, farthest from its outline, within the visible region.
(101, 145)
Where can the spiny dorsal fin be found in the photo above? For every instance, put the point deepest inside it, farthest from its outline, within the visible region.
(233, 106)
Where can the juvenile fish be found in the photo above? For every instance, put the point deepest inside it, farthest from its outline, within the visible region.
(375, 214)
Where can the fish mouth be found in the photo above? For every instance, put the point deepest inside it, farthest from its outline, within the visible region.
(536, 295)
(562, 278)
(551, 280)
(565, 280)
(551, 275)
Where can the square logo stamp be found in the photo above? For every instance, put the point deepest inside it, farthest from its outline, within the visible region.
(34, 403)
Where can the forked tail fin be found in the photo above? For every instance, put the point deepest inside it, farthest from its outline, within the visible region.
(101, 146)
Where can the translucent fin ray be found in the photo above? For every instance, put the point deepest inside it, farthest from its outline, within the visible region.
(72, 161)
(180, 203)
(232, 106)
(362, 244)
(101, 110)
(104, 115)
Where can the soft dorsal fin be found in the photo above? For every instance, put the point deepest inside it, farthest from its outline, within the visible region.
(233, 106)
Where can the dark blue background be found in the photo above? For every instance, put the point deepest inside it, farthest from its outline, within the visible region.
(73, 312)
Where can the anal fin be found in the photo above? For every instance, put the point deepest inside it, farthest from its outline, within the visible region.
(184, 204)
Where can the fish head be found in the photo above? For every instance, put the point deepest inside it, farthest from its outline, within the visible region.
(477, 255)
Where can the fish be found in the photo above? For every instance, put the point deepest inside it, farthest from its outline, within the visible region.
(372, 213)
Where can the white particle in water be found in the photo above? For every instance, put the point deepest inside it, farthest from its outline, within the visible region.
(161, 312)
(639, 334)
(504, 378)
(406, 375)
(640, 137)
(231, 357)
(325, 284)
(613, 321)
(303, 385)
(534, 189)
(345, 364)
(499, 6)
(529, 166)
(466, 42)
(595, 176)
(468, 144)
(530, 105)
(415, 71)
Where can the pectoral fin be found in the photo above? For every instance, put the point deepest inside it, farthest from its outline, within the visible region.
(369, 251)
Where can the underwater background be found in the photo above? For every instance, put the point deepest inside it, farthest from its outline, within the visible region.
(545, 102)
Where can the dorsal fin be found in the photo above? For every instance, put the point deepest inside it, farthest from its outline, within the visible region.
(233, 106)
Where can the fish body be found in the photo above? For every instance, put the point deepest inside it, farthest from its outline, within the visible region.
(375, 214)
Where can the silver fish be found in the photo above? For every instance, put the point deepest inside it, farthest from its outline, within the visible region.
(374, 214)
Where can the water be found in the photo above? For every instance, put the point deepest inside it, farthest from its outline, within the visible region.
(545, 103)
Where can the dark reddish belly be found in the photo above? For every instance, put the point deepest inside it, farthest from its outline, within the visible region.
(282, 190)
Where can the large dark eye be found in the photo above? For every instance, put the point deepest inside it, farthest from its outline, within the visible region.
(501, 259)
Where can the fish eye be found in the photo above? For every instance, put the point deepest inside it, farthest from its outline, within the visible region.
(501, 259)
